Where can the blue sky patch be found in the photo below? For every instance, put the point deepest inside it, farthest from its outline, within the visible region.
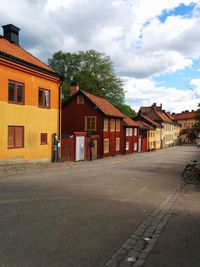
(180, 79)
(181, 10)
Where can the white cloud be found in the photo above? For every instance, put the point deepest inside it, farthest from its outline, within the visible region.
(144, 92)
(140, 45)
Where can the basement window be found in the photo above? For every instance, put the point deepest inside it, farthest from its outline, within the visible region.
(43, 139)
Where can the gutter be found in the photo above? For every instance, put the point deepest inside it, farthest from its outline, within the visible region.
(29, 65)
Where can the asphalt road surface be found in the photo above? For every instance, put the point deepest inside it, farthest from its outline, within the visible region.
(80, 216)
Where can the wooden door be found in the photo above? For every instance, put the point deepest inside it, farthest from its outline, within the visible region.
(94, 150)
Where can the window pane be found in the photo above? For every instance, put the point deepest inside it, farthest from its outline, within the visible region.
(11, 135)
(19, 93)
(93, 124)
(106, 146)
(88, 124)
(46, 98)
(11, 91)
(127, 145)
(105, 124)
(19, 136)
(40, 97)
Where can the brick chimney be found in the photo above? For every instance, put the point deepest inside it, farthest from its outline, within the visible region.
(11, 33)
(153, 107)
(74, 87)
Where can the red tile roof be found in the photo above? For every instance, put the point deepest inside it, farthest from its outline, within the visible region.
(185, 116)
(170, 116)
(145, 125)
(163, 116)
(151, 121)
(107, 108)
(130, 122)
(17, 52)
(145, 109)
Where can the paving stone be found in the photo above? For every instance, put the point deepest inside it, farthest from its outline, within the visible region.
(111, 263)
(127, 246)
(151, 228)
(139, 263)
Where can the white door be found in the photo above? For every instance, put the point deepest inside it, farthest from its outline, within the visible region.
(140, 144)
(80, 148)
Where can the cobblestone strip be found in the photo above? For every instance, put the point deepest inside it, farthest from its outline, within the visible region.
(136, 249)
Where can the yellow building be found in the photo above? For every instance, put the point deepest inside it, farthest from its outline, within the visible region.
(154, 132)
(29, 102)
(186, 120)
(151, 139)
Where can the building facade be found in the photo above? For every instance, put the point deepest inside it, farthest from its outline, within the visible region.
(131, 136)
(158, 115)
(186, 120)
(29, 102)
(88, 113)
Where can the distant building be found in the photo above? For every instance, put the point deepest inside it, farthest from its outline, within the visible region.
(158, 115)
(154, 134)
(186, 120)
(131, 135)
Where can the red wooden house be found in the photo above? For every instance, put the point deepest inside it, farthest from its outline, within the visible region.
(143, 136)
(98, 118)
(131, 135)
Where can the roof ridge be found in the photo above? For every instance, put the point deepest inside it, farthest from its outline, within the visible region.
(103, 108)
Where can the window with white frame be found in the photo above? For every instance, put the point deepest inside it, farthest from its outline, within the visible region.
(118, 125)
(135, 146)
(117, 144)
(106, 146)
(127, 146)
(112, 125)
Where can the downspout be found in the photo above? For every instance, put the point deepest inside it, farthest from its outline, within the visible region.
(102, 138)
(59, 118)
(124, 130)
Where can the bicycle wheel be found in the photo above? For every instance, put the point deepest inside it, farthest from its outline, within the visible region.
(189, 175)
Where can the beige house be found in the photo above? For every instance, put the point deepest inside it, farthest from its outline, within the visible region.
(154, 135)
(186, 120)
(169, 129)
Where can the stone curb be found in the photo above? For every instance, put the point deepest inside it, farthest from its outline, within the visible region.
(136, 249)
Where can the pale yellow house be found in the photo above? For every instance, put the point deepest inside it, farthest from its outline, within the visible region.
(154, 134)
(166, 132)
(186, 120)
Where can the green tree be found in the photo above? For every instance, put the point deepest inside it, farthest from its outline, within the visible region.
(92, 70)
(197, 125)
(126, 109)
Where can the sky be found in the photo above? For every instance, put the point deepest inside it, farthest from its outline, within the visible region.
(154, 44)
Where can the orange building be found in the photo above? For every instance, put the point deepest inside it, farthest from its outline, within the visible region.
(29, 102)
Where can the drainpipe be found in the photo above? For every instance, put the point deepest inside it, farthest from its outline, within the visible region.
(59, 121)
(102, 138)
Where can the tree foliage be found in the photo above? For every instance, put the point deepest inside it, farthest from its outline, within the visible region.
(198, 119)
(191, 133)
(92, 70)
(126, 109)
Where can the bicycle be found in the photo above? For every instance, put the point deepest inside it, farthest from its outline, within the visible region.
(191, 173)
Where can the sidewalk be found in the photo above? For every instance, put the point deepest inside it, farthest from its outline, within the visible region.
(179, 242)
